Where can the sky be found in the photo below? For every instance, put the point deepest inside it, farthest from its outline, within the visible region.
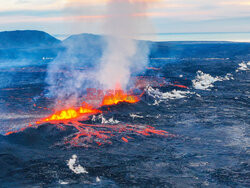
(87, 16)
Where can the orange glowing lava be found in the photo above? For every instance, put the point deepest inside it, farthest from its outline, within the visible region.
(87, 110)
(180, 86)
(71, 113)
(117, 97)
(98, 133)
(102, 134)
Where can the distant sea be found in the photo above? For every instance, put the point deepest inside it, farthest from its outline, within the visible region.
(215, 36)
(204, 36)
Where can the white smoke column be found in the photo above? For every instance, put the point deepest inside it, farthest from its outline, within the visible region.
(122, 55)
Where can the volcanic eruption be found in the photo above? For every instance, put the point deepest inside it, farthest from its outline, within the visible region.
(122, 57)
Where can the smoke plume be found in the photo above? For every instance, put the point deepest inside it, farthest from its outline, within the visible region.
(121, 55)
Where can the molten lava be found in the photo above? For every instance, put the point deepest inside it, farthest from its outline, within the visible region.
(117, 97)
(98, 133)
(102, 134)
(87, 110)
(71, 113)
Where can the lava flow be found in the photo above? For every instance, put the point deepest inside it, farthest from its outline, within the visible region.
(71, 113)
(102, 133)
(97, 133)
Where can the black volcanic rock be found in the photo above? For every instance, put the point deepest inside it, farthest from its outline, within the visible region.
(26, 39)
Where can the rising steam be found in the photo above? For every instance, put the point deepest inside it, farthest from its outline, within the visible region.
(122, 56)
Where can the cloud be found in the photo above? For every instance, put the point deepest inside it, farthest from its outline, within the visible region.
(84, 11)
(31, 5)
